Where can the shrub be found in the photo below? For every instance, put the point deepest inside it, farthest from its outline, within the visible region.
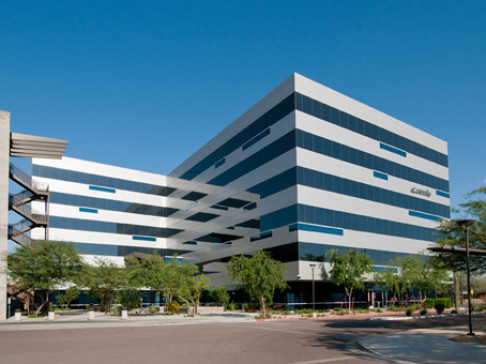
(409, 311)
(429, 303)
(173, 307)
(230, 306)
(439, 307)
(423, 312)
(153, 309)
(116, 310)
(446, 301)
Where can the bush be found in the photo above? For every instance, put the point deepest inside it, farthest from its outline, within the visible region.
(429, 303)
(116, 310)
(409, 311)
(423, 312)
(230, 306)
(173, 307)
(446, 301)
(439, 307)
(153, 309)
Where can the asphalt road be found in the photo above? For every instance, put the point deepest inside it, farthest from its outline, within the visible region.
(303, 341)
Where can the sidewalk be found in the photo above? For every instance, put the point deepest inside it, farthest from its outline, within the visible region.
(80, 320)
(426, 346)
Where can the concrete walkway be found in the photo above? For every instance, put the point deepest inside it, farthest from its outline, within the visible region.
(424, 346)
(81, 320)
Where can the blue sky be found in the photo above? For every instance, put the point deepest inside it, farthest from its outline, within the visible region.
(144, 84)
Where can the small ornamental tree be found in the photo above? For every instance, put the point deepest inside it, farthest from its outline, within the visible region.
(103, 280)
(348, 270)
(260, 274)
(185, 282)
(453, 235)
(150, 273)
(43, 267)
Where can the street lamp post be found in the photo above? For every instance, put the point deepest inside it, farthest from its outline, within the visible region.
(313, 265)
(465, 224)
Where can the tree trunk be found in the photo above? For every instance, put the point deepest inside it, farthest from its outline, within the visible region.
(263, 309)
(349, 303)
(456, 292)
(187, 304)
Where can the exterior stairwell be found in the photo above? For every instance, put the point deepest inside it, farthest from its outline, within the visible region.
(21, 204)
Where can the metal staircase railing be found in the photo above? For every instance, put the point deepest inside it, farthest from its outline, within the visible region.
(20, 203)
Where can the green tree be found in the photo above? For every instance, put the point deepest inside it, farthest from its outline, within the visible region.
(48, 265)
(150, 273)
(452, 235)
(103, 280)
(348, 270)
(185, 282)
(260, 274)
(413, 271)
(219, 295)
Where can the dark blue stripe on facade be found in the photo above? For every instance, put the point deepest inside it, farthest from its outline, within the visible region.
(393, 150)
(264, 155)
(317, 252)
(324, 112)
(424, 216)
(144, 238)
(107, 204)
(333, 149)
(380, 175)
(84, 209)
(121, 250)
(357, 125)
(102, 189)
(316, 228)
(275, 114)
(316, 215)
(96, 180)
(327, 182)
(256, 139)
(109, 227)
(443, 194)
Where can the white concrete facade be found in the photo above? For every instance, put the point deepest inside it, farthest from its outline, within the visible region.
(264, 182)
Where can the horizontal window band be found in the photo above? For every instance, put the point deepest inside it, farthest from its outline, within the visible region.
(84, 209)
(317, 252)
(272, 116)
(122, 250)
(443, 194)
(297, 101)
(316, 228)
(97, 180)
(108, 204)
(351, 155)
(102, 189)
(360, 126)
(380, 175)
(110, 227)
(424, 216)
(256, 139)
(144, 238)
(344, 220)
(262, 235)
(393, 150)
(220, 163)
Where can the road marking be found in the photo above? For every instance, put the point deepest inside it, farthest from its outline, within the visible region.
(339, 358)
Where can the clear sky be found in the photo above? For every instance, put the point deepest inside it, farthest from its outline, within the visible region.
(144, 84)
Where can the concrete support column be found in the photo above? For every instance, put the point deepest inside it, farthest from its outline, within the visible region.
(4, 167)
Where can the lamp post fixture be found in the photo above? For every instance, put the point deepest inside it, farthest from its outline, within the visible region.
(465, 224)
(313, 265)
